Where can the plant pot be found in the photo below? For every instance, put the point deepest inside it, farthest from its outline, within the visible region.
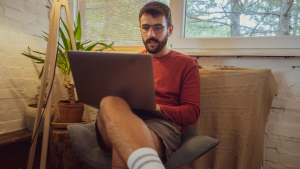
(30, 113)
(70, 112)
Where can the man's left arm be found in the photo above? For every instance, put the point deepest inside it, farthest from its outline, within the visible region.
(189, 109)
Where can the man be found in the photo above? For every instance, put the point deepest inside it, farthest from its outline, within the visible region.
(138, 142)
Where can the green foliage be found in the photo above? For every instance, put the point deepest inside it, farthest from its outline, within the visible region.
(62, 59)
(216, 18)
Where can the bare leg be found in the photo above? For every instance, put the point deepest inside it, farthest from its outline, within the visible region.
(124, 132)
(117, 161)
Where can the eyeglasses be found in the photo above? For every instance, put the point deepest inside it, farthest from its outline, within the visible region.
(156, 28)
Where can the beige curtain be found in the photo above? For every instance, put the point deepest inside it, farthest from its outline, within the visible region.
(112, 21)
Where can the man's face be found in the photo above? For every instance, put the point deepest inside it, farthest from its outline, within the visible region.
(154, 32)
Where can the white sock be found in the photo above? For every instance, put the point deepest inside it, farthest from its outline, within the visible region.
(144, 158)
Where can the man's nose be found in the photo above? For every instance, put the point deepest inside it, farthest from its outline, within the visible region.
(151, 32)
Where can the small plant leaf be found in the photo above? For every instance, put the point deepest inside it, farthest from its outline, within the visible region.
(33, 57)
(38, 52)
(105, 46)
(79, 33)
(91, 47)
(64, 39)
(41, 72)
(66, 28)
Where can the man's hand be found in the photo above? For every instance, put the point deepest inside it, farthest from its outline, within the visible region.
(159, 109)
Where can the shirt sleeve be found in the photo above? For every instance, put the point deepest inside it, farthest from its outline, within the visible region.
(188, 110)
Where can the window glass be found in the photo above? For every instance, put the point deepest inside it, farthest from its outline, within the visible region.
(112, 20)
(241, 18)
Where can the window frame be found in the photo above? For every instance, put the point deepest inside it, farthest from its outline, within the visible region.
(227, 46)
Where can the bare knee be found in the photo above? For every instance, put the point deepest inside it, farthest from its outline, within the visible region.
(110, 106)
(111, 100)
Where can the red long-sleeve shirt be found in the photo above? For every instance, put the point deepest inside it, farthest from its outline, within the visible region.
(177, 87)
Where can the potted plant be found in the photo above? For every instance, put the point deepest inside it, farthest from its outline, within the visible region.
(70, 111)
(30, 112)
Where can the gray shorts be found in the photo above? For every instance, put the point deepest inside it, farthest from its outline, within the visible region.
(168, 131)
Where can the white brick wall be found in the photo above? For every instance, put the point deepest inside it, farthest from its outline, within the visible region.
(19, 20)
(282, 148)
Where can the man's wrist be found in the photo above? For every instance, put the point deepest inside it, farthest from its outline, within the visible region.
(159, 109)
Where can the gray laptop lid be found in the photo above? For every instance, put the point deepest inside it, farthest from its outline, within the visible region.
(129, 76)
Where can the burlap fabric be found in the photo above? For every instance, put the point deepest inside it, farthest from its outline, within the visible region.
(235, 104)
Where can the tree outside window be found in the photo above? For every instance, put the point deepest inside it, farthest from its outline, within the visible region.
(241, 18)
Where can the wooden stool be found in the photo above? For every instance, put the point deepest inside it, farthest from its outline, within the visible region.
(62, 154)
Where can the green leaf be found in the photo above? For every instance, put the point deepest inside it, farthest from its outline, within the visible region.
(38, 52)
(60, 51)
(45, 32)
(41, 72)
(79, 33)
(33, 57)
(62, 61)
(62, 69)
(108, 46)
(62, 46)
(69, 44)
(101, 49)
(66, 28)
(77, 45)
(67, 64)
(81, 45)
(91, 47)
(64, 39)
(86, 42)
(66, 61)
(105, 47)
(76, 32)
(44, 37)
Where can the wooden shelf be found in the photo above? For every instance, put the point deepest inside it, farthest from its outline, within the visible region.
(14, 149)
(15, 136)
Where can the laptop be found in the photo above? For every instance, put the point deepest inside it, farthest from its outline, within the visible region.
(129, 76)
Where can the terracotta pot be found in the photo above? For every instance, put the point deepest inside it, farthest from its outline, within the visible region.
(70, 112)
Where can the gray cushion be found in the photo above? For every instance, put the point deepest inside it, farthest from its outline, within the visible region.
(192, 147)
(83, 137)
(84, 142)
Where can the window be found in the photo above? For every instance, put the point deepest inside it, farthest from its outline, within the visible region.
(112, 21)
(241, 18)
(257, 31)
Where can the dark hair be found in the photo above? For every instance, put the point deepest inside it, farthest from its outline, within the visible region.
(156, 9)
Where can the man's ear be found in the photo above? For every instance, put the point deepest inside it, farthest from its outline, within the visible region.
(170, 30)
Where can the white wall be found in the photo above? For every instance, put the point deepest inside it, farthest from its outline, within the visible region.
(19, 21)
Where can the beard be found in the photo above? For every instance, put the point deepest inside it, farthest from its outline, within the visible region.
(158, 48)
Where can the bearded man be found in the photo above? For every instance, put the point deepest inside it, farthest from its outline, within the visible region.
(143, 142)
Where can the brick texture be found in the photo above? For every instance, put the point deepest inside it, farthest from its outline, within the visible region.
(20, 20)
